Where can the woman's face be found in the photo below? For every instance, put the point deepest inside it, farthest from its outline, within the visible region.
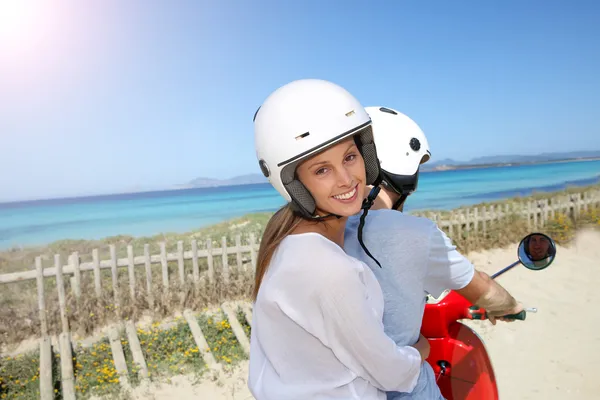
(336, 179)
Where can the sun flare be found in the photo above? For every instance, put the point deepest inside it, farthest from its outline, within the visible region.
(16, 17)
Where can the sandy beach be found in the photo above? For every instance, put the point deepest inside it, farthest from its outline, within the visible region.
(549, 356)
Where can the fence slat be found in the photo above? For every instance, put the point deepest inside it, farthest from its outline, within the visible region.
(41, 299)
(252, 250)
(76, 274)
(96, 262)
(180, 263)
(209, 261)
(195, 267)
(60, 286)
(131, 268)
(238, 251)
(203, 347)
(46, 389)
(225, 260)
(118, 357)
(136, 350)
(115, 276)
(66, 367)
(236, 327)
(163, 263)
(148, 267)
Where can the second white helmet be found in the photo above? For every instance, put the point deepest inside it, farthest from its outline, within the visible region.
(401, 147)
(301, 119)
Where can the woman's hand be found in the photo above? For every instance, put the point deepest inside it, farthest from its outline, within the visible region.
(423, 347)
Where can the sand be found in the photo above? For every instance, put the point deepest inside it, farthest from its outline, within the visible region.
(551, 355)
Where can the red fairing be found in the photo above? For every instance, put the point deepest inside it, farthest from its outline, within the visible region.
(468, 374)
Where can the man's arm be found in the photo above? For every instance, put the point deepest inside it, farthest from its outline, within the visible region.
(448, 269)
(487, 293)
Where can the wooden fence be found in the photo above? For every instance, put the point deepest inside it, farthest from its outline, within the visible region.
(475, 219)
(537, 213)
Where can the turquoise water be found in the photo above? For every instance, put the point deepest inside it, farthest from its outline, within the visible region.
(145, 214)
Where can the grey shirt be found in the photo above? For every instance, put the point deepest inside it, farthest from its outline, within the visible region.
(417, 259)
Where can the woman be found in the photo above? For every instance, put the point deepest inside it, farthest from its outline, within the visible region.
(317, 328)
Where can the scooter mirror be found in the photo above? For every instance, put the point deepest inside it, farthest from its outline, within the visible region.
(537, 251)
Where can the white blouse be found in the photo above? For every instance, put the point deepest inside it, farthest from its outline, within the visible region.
(317, 330)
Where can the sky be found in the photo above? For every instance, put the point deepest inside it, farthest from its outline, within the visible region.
(111, 96)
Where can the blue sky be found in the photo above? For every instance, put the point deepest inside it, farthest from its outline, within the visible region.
(112, 96)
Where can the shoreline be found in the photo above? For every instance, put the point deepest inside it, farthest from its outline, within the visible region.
(244, 225)
(443, 168)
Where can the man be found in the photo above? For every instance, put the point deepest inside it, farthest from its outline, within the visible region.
(416, 257)
(539, 250)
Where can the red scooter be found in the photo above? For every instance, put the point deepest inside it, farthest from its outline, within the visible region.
(458, 356)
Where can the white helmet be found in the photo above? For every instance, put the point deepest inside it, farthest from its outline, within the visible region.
(402, 148)
(300, 119)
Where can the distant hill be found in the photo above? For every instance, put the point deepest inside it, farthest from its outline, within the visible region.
(448, 163)
(247, 179)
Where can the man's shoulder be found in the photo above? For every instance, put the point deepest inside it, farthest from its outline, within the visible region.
(392, 221)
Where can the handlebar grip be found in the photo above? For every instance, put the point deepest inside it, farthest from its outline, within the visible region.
(520, 316)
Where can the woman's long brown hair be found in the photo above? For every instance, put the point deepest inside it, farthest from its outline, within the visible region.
(281, 224)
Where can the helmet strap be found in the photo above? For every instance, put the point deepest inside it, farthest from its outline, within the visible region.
(400, 201)
(367, 203)
(320, 218)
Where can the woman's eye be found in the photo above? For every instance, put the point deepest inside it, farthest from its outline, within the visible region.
(321, 171)
(350, 157)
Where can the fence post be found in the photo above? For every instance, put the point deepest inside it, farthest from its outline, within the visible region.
(209, 261)
(253, 250)
(115, 278)
(180, 262)
(60, 286)
(97, 281)
(195, 267)
(147, 263)
(41, 300)
(76, 274)
(451, 226)
(225, 259)
(238, 252)
(131, 267)
(163, 263)
(484, 216)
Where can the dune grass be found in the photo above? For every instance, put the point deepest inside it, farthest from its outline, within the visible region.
(169, 349)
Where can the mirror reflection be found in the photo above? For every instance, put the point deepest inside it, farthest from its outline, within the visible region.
(537, 251)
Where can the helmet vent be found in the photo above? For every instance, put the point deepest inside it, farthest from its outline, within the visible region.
(255, 114)
(387, 110)
(264, 168)
(302, 136)
(415, 144)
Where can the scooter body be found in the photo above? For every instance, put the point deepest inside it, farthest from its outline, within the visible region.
(458, 356)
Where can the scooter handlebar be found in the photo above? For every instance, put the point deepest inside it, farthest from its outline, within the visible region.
(521, 316)
(479, 313)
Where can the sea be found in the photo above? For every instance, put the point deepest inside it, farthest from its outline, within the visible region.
(32, 223)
